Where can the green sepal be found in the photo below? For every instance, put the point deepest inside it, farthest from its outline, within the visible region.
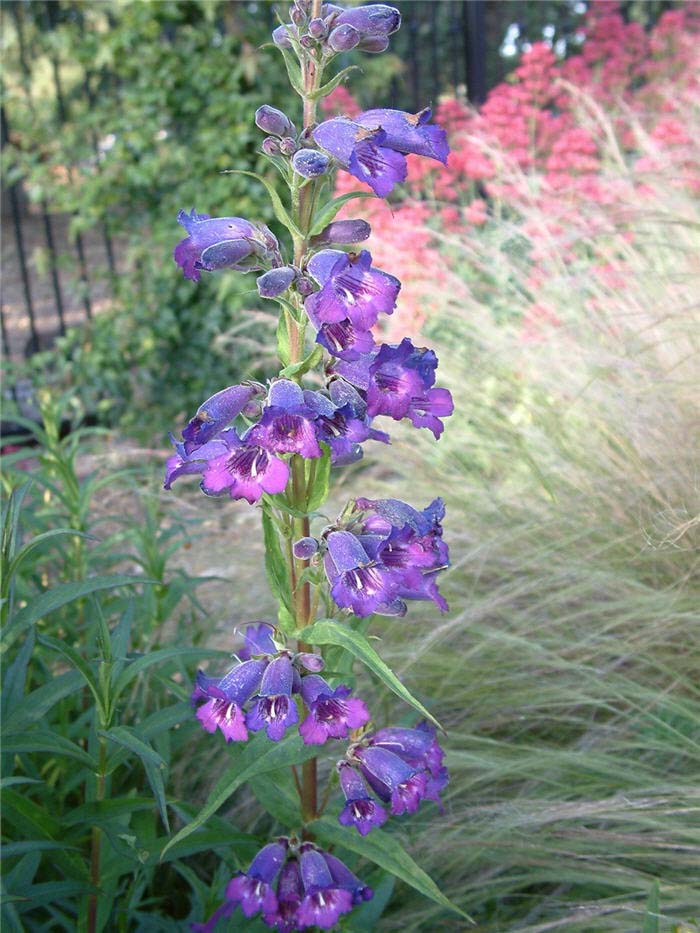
(277, 205)
(387, 852)
(328, 632)
(334, 82)
(328, 212)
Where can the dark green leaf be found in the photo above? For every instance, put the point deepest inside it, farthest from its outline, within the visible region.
(279, 797)
(15, 676)
(48, 743)
(277, 205)
(652, 916)
(331, 85)
(275, 563)
(258, 756)
(145, 661)
(37, 704)
(328, 632)
(384, 850)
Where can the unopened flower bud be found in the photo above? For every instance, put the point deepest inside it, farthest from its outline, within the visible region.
(276, 281)
(281, 37)
(271, 120)
(296, 15)
(288, 146)
(304, 286)
(344, 231)
(343, 38)
(270, 146)
(307, 42)
(310, 662)
(310, 163)
(305, 548)
(317, 28)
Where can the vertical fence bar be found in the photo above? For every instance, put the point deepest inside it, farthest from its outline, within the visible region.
(474, 50)
(62, 113)
(46, 217)
(435, 39)
(456, 43)
(33, 344)
(413, 55)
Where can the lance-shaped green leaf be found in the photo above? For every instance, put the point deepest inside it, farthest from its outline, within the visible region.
(152, 762)
(298, 369)
(319, 475)
(49, 744)
(329, 211)
(275, 564)
(258, 756)
(331, 85)
(327, 632)
(277, 206)
(388, 853)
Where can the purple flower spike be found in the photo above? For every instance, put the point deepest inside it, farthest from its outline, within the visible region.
(350, 290)
(408, 132)
(357, 582)
(213, 415)
(392, 779)
(245, 471)
(332, 713)
(258, 640)
(253, 889)
(360, 810)
(276, 281)
(344, 878)
(225, 699)
(222, 242)
(324, 901)
(362, 153)
(275, 710)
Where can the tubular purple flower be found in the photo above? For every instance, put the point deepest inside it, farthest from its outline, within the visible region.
(344, 878)
(252, 890)
(350, 289)
(310, 163)
(225, 699)
(357, 582)
(182, 464)
(362, 153)
(245, 471)
(289, 895)
(360, 810)
(392, 779)
(222, 242)
(332, 713)
(287, 423)
(258, 640)
(274, 710)
(216, 413)
(408, 132)
(324, 900)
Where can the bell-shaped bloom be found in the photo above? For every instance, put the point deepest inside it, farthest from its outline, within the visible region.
(222, 242)
(393, 780)
(289, 894)
(258, 640)
(342, 422)
(253, 890)
(333, 713)
(350, 289)
(408, 132)
(344, 878)
(324, 900)
(419, 748)
(357, 582)
(183, 464)
(225, 698)
(245, 471)
(216, 413)
(361, 810)
(287, 423)
(274, 709)
(362, 153)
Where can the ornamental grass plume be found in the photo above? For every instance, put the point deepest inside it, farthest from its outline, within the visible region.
(275, 446)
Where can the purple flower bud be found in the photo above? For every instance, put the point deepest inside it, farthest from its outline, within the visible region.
(310, 662)
(343, 231)
(304, 286)
(310, 163)
(258, 640)
(273, 283)
(288, 146)
(273, 121)
(376, 20)
(317, 28)
(343, 38)
(270, 146)
(213, 415)
(296, 15)
(282, 36)
(305, 548)
(307, 42)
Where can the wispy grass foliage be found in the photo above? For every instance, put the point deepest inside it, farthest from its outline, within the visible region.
(568, 670)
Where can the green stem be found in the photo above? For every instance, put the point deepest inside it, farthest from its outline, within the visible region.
(96, 841)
